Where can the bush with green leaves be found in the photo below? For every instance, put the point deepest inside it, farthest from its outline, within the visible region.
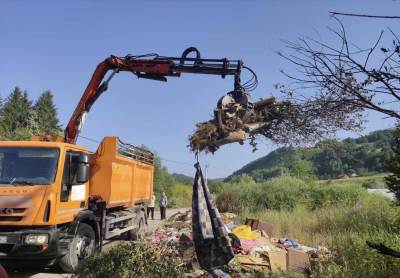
(284, 192)
(393, 165)
(180, 195)
(371, 183)
(130, 260)
(334, 195)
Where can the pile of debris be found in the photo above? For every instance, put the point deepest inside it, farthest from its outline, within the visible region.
(175, 237)
(235, 120)
(255, 247)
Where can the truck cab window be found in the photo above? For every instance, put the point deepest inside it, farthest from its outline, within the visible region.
(28, 165)
(69, 174)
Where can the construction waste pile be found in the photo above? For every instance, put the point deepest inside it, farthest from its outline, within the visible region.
(255, 247)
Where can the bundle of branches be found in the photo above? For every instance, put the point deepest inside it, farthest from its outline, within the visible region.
(285, 122)
(332, 87)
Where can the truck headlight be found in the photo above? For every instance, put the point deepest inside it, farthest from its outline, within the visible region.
(37, 239)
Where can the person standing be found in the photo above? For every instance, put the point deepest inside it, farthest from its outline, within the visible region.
(150, 207)
(163, 205)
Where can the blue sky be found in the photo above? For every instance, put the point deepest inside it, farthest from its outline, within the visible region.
(57, 44)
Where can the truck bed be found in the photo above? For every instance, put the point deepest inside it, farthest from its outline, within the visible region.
(122, 174)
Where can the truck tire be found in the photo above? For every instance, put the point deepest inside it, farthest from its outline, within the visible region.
(140, 231)
(82, 246)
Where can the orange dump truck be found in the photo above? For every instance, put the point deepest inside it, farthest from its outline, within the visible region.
(58, 201)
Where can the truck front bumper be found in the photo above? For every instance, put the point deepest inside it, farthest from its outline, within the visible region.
(13, 248)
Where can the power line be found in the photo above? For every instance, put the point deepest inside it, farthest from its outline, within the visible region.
(177, 162)
(89, 139)
(161, 158)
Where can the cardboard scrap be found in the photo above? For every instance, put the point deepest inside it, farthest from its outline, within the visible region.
(277, 260)
(297, 260)
(251, 263)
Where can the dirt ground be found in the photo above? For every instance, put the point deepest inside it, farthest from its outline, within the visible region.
(55, 272)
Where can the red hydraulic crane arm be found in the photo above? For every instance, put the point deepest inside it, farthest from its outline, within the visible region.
(94, 89)
(152, 66)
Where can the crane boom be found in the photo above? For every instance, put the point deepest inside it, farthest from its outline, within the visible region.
(150, 66)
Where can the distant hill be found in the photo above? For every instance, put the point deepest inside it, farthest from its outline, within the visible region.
(183, 178)
(327, 159)
(189, 180)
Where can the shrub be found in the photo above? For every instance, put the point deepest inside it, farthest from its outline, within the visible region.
(284, 193)
(180, 195)
(129, 260)
(334, 195)
(371, 183)
(229, 201)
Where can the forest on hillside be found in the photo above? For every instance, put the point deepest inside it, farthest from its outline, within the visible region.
(327, 159)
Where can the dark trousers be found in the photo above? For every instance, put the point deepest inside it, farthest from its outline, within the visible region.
(150, 211)
(162, 212)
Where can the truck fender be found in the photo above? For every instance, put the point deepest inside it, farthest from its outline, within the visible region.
(87, 217)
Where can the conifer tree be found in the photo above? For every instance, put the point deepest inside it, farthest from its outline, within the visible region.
(393, 181)
(46, 113)
(17, 119)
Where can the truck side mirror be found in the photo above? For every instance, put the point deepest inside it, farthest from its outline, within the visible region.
(83, 173)
(83, 158)
(83, 169)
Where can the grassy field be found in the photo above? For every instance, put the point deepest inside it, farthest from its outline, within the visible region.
(372, 181)
(340, 215)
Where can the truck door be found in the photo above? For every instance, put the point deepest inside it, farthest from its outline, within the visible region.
(74, 186)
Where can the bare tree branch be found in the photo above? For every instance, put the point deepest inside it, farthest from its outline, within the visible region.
(339, 73)
(366, 15)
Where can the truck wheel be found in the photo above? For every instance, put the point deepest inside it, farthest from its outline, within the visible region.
(82, 246)
(140, 231)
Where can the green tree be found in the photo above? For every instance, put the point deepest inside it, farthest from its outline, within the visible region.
(163, 181)
(47, 114)
(328, 161)
(393, 165)
(301, 169)
(18, 120)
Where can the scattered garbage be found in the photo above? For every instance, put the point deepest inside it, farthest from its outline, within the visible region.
(254, 246)
(212, 244)
(245, 232)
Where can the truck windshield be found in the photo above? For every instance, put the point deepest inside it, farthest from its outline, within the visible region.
(28, 166)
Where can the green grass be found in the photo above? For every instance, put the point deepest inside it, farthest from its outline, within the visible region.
(372, 181)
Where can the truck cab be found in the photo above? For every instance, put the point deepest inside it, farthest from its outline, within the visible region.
(58, 201)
